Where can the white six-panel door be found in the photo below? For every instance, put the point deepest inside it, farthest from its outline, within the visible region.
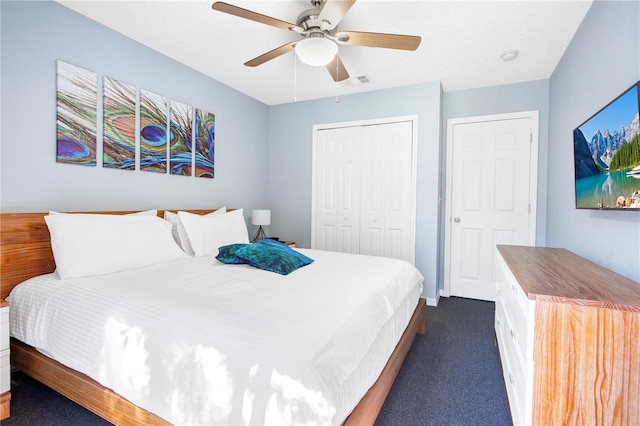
(364, 190)
(491, 197)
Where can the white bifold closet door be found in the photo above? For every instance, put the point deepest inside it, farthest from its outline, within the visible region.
(364, 190)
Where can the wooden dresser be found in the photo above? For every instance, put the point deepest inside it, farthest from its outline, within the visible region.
(568, 333)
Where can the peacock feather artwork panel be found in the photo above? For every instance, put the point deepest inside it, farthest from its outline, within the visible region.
(149, 132)
(205, 124)
(153, 132)
(76, 110)
(180, 139)
(119, 125)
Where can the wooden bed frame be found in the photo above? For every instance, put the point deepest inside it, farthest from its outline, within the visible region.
(25, 252)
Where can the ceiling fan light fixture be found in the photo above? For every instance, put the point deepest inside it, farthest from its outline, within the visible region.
(316, 51)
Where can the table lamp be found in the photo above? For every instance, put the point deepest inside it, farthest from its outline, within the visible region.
(260, 217)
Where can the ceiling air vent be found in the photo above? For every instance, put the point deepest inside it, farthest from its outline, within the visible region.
(357, 81)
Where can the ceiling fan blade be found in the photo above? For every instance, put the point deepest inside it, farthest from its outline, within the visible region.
(337, 70)
(333, 11)
(285, 48)
(388, 41)
(253, 16)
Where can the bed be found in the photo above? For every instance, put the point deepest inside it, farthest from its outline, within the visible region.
(26, 253)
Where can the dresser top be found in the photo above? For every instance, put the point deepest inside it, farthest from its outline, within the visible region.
(559, 275)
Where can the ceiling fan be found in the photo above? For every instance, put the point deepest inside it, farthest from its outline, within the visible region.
(317, 26)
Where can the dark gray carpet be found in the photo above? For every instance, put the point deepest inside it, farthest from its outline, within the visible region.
(451, 377)
(452, 374)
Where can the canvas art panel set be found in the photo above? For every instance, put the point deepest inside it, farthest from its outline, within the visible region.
(141, 130)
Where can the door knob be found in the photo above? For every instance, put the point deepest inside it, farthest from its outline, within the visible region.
(456, 219)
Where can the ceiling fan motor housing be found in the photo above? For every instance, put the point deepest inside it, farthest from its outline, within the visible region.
(308, 20)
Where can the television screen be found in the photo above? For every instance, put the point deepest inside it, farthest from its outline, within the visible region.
(607, 155)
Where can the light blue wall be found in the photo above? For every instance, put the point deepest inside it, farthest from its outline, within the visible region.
(34, 36)
(528, 96)
(290, 161)
(601, 62)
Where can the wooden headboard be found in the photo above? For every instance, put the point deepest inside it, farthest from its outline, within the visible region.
(25, 247)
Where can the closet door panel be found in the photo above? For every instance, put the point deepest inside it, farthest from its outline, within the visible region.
(325, 197)
(387, 188)
(337, 190)
(371, 197)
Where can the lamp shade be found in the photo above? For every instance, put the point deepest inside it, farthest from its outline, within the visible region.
(316, 51)
(261, 217)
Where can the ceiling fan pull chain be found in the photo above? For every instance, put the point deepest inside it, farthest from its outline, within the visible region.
(336, 83)
(295, 78)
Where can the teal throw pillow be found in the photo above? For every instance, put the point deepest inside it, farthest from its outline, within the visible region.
(273, 256)
(228, 254)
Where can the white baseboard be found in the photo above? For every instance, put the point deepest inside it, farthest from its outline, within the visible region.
(433, 302)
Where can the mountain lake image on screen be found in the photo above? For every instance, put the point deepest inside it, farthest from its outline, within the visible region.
(607, 156)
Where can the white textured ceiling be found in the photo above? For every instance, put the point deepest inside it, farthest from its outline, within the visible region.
(461, 42)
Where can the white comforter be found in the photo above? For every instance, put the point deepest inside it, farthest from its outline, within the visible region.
(199, 342)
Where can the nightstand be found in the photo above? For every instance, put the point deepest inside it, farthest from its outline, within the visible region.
(5, 364)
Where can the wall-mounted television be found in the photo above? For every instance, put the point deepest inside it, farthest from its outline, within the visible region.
(606, 155)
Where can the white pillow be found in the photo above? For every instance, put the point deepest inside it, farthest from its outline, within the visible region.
(182, 237)
(92, 244)
(172, 218)
(207, 233)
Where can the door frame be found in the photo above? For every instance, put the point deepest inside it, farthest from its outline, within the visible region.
(533, 179)
(414, 168)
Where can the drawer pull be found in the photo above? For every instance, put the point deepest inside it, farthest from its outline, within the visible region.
(511, 379)
(513, 333)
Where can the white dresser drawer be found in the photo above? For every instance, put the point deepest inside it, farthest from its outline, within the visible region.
(520, 298)
(5, 361)
(5, 371)
(517, 308)
(4, 328)
(514, 379)
(517, 362)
